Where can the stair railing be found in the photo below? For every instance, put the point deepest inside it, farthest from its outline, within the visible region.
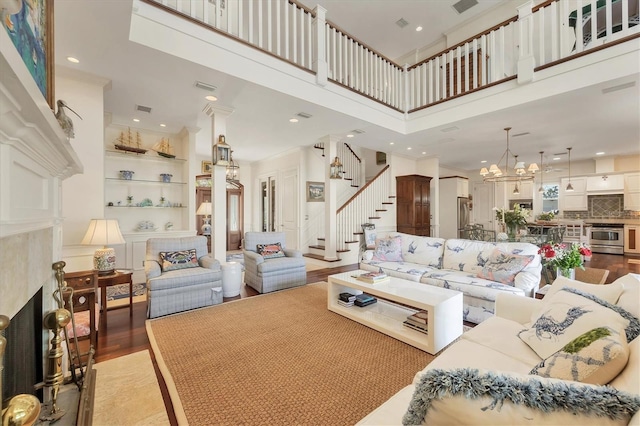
(362, 207)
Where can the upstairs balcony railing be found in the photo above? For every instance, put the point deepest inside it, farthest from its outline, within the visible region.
(536, 38)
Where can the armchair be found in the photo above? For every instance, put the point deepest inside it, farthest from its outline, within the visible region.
(181, 275)
(272, 273)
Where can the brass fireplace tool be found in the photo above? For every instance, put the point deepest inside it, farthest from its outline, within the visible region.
(23, 409)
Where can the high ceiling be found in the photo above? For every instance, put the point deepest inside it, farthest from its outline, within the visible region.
(96, 32)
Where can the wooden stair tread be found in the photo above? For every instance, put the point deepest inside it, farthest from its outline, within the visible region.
(387, 203)
(317, 247)
(374, 217)
(318, 257)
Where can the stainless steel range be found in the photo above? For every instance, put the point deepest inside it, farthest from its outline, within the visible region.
(607, 238)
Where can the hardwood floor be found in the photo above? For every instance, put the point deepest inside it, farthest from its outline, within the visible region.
(127, 335)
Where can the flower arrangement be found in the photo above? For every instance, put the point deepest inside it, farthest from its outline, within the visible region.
(562, 256)
(585, 251)
(546, 216)
(513, 218)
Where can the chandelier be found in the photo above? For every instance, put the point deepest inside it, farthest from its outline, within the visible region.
(520, 172)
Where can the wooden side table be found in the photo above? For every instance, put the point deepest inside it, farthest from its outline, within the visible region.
(542, 291)
(104, 281)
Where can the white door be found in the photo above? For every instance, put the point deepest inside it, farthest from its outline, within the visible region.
(289, 207)
(483, 204)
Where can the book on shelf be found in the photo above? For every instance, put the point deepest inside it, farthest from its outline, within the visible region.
(420, 328)
(416, 323)
(346, 304)
(420, 317)
(372, 277)
(364, 299)
(363, 304)
(347, 297)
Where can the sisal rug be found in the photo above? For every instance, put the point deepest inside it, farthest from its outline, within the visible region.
(278, 359)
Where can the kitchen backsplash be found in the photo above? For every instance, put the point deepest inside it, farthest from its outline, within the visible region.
(603, 207)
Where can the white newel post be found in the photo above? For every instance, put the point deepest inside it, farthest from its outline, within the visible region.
(526, 60)
(218, 186)
(330, 200)
(405, 90)
(320, 47)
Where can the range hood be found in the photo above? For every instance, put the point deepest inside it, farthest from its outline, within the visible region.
(605, 184)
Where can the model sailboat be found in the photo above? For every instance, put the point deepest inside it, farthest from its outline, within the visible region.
(126, 142)
(164, 149)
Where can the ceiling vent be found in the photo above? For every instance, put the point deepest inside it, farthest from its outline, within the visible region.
(143, 108)
(449, 129)
(205, 86)
(402, 23)
(520, 134)
(560, 153)
(464, 5)
(618, 87)
(357, 131)
(303, 115)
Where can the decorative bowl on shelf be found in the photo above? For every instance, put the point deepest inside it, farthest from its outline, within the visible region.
(146, 225)
(166, 177)
(126, 174)
(146, 203)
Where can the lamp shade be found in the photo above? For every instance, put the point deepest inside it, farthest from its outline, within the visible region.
(204, 209)
(103, 232)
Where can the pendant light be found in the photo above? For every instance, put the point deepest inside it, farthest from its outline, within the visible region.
(541, 189)
(569, 186)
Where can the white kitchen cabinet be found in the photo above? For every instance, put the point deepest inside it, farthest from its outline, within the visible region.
(575, 200)
(605, 183)
(632, 238)
(526, 190)
(632, 191)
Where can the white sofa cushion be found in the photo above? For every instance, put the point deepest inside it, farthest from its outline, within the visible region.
(467, 283)
(422, 250)
(629, 379)
(466, 255)
(406, 270)
(630, 297)
(566, 316)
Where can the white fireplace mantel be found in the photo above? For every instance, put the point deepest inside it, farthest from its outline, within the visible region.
(35, 154)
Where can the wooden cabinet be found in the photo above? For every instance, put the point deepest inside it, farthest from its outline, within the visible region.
(632, 191)
(632, 238)
(525, 191)
(413, 215)
(605, 183)
(575, 200)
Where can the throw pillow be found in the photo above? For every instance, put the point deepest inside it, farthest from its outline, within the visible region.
(596, 357)
(568, 316)
(388, 249)
(270, 251)
(370, 238)
(502, 267)
(172, 260)
(609, 292)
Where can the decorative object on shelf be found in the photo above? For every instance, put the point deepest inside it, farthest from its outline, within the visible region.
(126, 174)
(232, 169)
(569, 186)
(146, 203)
(166, 177)
(129, 200)
(127, 143)
(521, 175)
(564, 257)
(164, 148)
(65, 122)
(103, 232)
(164, 203)
(205, 209)
(315, 191)
(335, 169)
(221, 152)
(512, 219)
(146, 225)
(168, 226)
(206, 167)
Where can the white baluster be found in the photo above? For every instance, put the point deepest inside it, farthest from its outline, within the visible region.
(251, 21)
(608, 21)
(287, 40)
(270, 25)
(240, 20)
(625, 17)
(260, 21)
(594, 23)
(553, 7)
(483, 59)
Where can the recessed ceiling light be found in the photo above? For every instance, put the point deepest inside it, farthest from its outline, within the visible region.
(408, 148)
(391, 143)
(556, 158)
(483, 161)
(349, 135)
(163, 125)
(418, 28)
(293, 120)
(211, 98)
(424, 152)
(73, 60)
(137, 120)
(600, 153)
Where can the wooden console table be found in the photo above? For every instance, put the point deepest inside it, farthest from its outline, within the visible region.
(118, 277)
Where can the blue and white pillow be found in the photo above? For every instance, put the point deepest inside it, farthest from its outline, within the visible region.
(172, 260)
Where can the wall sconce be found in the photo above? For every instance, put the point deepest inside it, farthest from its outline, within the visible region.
(335, 169)
(221, 152)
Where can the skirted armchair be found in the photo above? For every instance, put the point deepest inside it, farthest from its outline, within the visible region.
(269, 266)
(181, 275)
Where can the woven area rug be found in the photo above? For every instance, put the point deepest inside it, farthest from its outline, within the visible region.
(278, 359)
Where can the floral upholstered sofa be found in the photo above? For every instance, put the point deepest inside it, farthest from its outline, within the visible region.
(478, 269)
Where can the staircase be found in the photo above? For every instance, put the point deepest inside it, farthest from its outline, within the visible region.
(365, 206)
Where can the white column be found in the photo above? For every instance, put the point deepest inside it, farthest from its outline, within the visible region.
(320, 48)
(526, 61)
(218, 185)
(330, 199)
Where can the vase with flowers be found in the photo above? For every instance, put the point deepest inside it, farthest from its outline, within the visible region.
(513, 219)
(564, 257)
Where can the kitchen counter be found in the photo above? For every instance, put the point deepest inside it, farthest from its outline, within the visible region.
(614, 220)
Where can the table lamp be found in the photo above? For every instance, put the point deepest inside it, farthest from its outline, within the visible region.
(103, 232)
(205, 209)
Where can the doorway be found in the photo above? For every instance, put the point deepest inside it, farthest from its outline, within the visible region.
(235, 216)
(268, 203)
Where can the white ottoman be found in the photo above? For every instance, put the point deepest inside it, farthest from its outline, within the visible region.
(231, 279)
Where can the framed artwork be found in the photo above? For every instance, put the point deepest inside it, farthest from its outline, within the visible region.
(381, 158)
(315, 191)
(29, 25)
(207, 166)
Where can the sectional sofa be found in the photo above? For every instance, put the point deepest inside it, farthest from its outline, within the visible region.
(480, 270)
(515, 369)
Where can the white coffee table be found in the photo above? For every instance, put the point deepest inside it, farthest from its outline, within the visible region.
(401, 299)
